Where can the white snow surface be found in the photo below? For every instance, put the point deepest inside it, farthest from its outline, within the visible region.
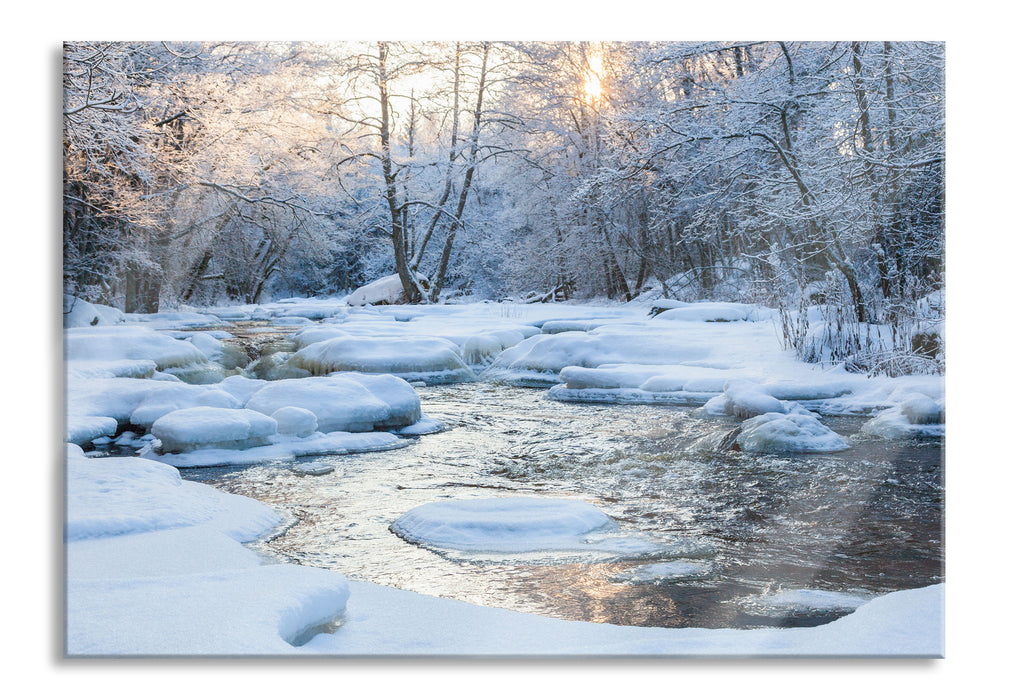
(349, 401)
(431, 360)
(777, 432)
(205, 427)
(129, 342)
(155, 564)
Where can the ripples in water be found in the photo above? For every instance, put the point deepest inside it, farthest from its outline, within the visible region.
(866, 521)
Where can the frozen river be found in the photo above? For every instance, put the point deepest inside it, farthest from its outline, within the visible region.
(864, 521)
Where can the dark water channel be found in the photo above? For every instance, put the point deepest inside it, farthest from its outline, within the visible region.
(865, 521)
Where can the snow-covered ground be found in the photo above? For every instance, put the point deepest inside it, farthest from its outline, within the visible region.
(156, 565)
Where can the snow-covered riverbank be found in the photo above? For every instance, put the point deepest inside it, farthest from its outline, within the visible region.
(156, 565)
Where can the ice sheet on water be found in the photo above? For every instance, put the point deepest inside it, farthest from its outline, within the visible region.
(805, 600)
(523, 525)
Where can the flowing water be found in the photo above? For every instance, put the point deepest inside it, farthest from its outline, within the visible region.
(866, 521)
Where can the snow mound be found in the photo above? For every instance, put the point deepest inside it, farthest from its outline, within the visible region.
(204, 427)
(84, 429)
(299, 422)
(386, 290)
(129, 343)
(516, 524)
(746, 400)
(164, 399)
(348, 402)
(917, 415)
(176, 320)
(538, 360)
(777, 432)
(123, 495)
(430, 360)
(711, 312)
(78, 313)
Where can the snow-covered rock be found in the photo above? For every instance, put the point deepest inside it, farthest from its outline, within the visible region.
(430, 360)
(203, 427)
(794, 432)
(129, 343)
(386, 290)
(78, 313)
(299, 422)
(344, 402)
(747, 399)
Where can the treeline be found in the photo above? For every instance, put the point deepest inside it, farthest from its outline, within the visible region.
(809, 175)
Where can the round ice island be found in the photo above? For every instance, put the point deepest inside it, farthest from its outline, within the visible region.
(519, 524)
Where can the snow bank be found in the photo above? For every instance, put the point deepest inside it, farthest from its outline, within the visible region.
(715, 312)
(385, 621)
(538, 361)
(129, 343)
(155, 567)
(78, 313)
(430, 360)
(120, 495)
(348, 402)
(204, 427)
(665, 571)
(174, 320)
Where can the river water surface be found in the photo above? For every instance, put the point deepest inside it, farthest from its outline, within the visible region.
(865, 521)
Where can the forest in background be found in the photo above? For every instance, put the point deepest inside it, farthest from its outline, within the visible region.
(808, 176)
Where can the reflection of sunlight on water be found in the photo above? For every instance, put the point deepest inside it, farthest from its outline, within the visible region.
(868, 520)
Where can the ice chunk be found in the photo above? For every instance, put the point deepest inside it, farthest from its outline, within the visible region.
(78, 313)
(299, 422)
(206, 427)
(776, 432)
(805, 600)
(431, 360)
(666, 571)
